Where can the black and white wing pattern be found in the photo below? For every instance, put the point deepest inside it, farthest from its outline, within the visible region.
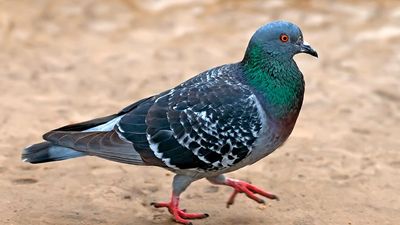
(207, 123)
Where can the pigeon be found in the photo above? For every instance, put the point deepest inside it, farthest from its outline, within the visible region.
(219, 121)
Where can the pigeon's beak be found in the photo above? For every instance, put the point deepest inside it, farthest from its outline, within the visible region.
(306, 48)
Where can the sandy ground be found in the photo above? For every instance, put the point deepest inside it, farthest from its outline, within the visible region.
(66, 61)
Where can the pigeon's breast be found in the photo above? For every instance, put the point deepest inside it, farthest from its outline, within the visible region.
(273, 134)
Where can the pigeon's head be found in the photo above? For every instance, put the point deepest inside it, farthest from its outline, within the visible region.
(280, 40)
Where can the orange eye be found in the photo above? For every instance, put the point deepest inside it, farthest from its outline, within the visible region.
(284, 38)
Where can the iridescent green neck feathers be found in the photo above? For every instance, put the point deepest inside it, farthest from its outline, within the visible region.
(277, 79)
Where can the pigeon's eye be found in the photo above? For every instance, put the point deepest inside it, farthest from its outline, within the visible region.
(284, 38)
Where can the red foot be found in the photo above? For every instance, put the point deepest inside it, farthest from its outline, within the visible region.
(249, 190)
(179, 215)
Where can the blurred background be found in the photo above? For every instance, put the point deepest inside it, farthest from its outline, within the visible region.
(65, 61)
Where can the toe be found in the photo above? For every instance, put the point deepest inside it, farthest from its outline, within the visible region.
(193, 215)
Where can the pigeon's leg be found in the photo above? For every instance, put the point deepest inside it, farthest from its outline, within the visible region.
(179, 185)
(241, 187)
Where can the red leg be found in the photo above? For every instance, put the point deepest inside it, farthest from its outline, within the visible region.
(248, 189)
(179, 215)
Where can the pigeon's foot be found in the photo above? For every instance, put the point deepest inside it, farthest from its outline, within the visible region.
(249, 189)
(179, 215)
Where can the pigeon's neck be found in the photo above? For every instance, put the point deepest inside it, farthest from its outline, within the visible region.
(279, 83)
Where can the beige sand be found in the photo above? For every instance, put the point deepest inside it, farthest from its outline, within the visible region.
(66, 61)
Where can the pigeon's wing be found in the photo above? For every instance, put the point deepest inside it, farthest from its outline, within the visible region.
(99, 137)
(208, 123)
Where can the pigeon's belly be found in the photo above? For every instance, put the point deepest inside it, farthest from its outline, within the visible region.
(271, 138)
(272, 135)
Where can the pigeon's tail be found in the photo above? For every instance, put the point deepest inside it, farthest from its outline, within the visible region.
(97, 137)
(48, 152)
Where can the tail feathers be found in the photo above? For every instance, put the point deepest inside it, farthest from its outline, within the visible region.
(48, 152)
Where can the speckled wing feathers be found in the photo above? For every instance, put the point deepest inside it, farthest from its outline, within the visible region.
(207, 123)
